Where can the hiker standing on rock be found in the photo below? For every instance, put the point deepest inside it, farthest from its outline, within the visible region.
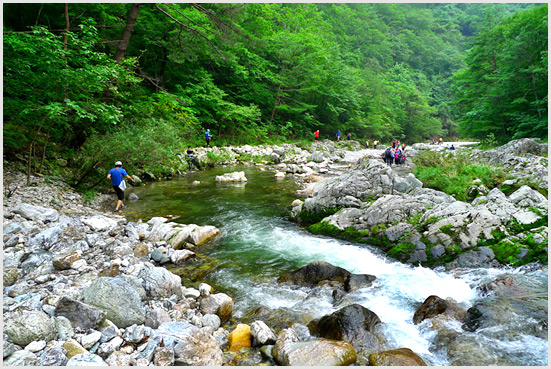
(208, 137)
(117, 175)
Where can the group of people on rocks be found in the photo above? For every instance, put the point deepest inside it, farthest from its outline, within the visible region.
(395, 153)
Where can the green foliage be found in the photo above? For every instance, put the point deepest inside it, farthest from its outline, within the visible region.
(508, 251)
(503, 89)
(454, 174)
(310, 217)
(448, 229)
(401, 251)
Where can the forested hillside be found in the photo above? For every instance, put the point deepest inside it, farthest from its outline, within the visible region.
(139, 80)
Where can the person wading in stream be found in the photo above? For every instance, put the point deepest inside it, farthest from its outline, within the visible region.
(116, 175)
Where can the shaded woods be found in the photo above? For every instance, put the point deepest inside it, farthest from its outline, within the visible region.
(87, 82)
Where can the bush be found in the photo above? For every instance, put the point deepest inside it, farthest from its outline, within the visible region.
(454, 174)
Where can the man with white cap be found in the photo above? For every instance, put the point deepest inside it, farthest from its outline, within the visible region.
(116, 175)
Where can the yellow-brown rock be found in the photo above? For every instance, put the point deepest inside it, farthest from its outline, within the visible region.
(140, 250)
(240, 337)
(73, 348)
(398, 357)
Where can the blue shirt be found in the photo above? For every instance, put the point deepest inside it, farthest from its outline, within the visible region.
(207, 134)
(117, 174)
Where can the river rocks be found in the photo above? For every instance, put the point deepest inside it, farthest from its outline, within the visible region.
(357, 281)
(25, 327)
(99, 223)
(314, 273)
(36, 213)
(262, 334)
(240, 337)
(219, 304)
(201, 235)
(53, 356)
(158, 282)
(435, 306)
(120, 300)
(353, 323)
(163, 356)
(82, 316)
(288, 350)
(232, 177)
(192, 346)
(397, 357)
(22, 358)
(86, 359)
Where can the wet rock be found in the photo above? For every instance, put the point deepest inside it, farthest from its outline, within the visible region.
(262, 334)
(314, 273)
(192, 346)
(219, 304)
(53, 356)
(86, 360)
(483, 257)
(201, 235)
(240, 337)
(435, 306)
(163, 356)
(117, 298)
(25, 327)
(397, 357)
(353, 323)
(22, 358)
(132, 197)
(180, 256)
(357, 281)
(232, 177)
(36, 213)
(159, 282)
(288, 350)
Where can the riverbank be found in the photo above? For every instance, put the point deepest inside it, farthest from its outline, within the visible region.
(54, 265)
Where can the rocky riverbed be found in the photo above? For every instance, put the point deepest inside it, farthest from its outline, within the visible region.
(374, 204)
(84, 286)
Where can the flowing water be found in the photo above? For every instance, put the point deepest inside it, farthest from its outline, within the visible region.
(258, 243)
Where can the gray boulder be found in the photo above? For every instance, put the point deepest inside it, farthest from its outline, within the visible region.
(121, 302)
(315, 272)
(155, 317)
(45, 239)
(25, 327)
(36, 213)
(8, 348)
(86, 360)
(406, 184)
(290, 351)
(192, 346)
(525, 197)
(22, 358)
(353, 323)
(159, 282)
(219, 304)
(82, 316)
(37, 258)
(53, 356)
(262, 334)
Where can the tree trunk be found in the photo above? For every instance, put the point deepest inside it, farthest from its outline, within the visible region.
(65, 40)
(127, 32)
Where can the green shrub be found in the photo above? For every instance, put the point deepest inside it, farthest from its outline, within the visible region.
(454, 174)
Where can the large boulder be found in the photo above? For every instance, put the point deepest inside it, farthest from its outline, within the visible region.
(396, 357)
(45, 239)
(119, 299)
(240, 337)
(159, 282)
(36, 213)
(353, 323)
(219, 304)
(202, 235)
(290, 351)
(99, 223)
(192, 345)
(232, 177)
(86, 359)
(262, 334)
(24, 327)
(314, 273)
(82, 316)
(22, 358)
(434, 306)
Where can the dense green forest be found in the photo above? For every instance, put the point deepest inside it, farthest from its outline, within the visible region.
(90, 82)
